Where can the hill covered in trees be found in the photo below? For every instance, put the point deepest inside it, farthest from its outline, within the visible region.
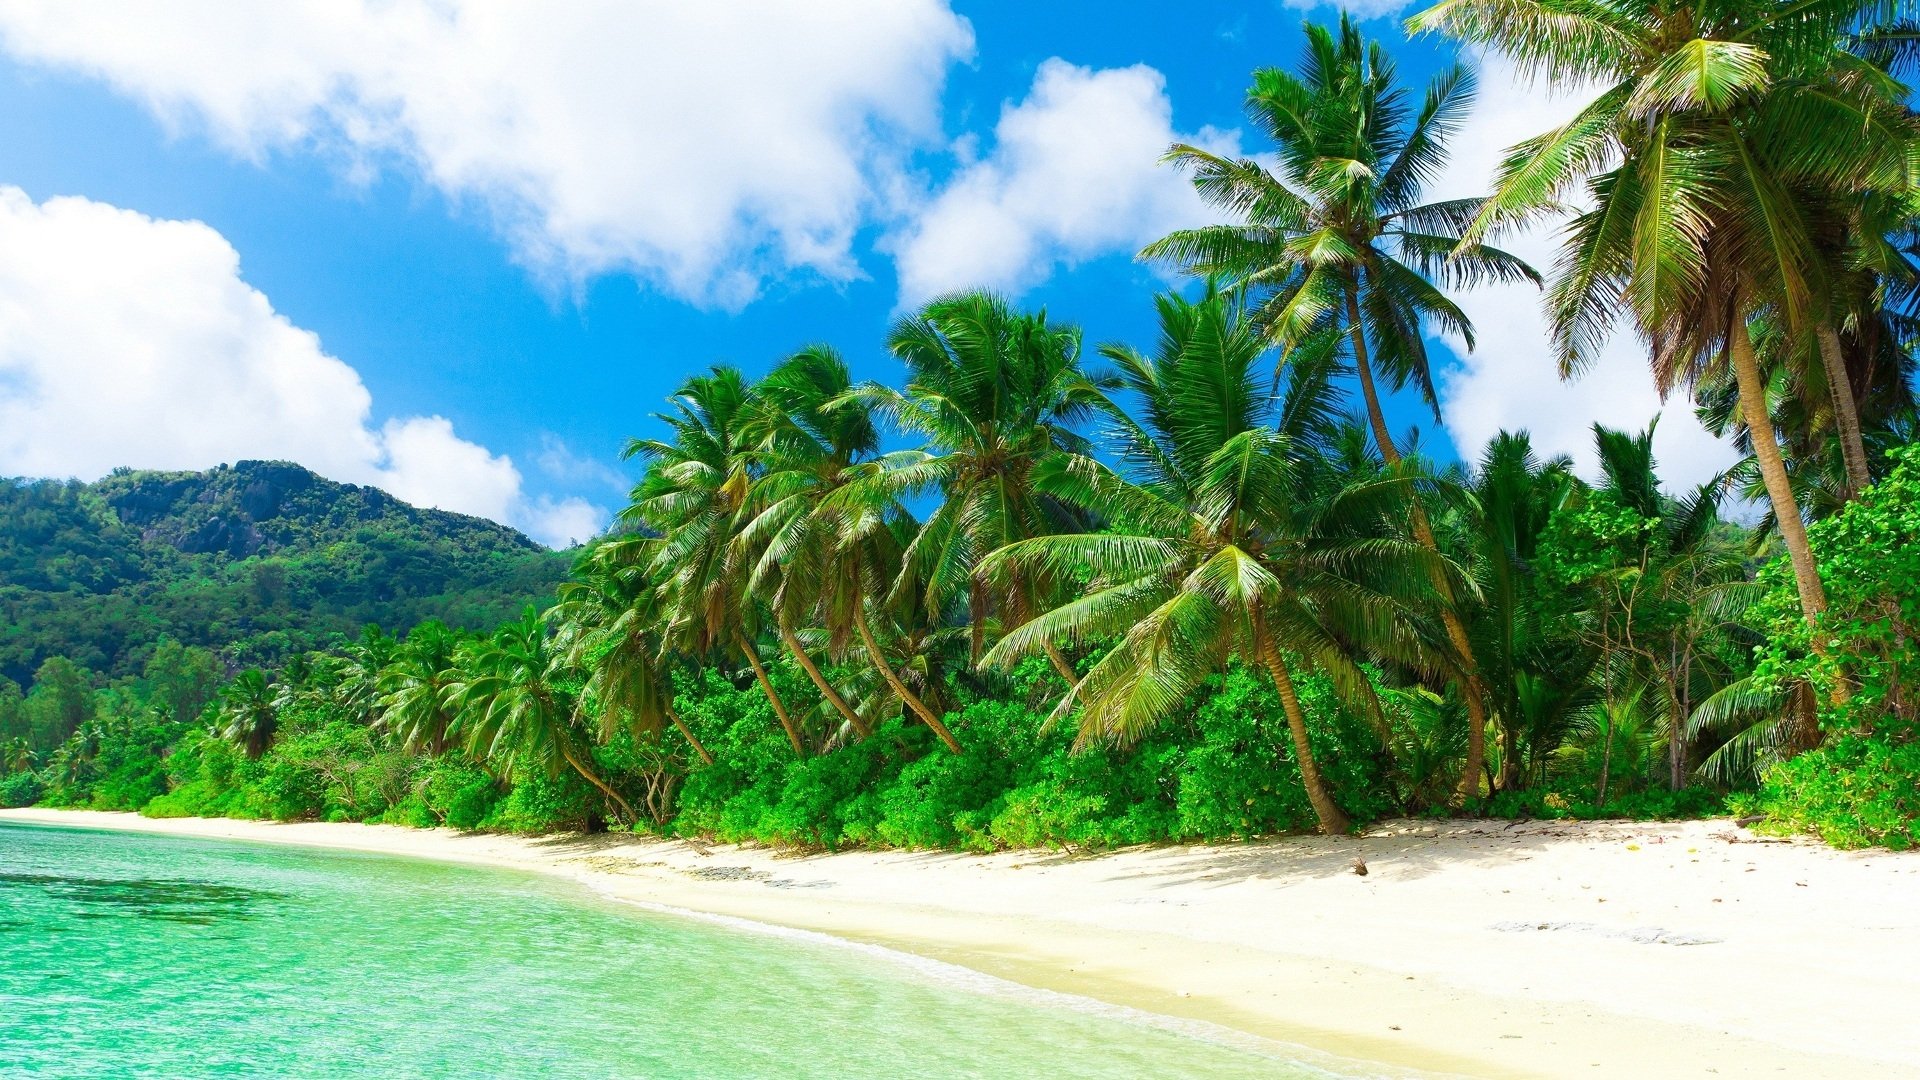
(259, 560)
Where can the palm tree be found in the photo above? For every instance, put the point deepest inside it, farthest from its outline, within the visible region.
(1219, 547)
(16, 755)
(249, 712)
(514, 706)
(610, 618)
(414, 703)
(993, 391)
(1496, 519)
(358, 688)
(694, 494)
(810, 444)
(1337, 241)
(866, 576)
(1720, 135)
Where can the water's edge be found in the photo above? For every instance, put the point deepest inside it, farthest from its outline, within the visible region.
(945, 972)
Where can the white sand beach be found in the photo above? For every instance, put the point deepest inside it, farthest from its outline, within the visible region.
(1476, 948)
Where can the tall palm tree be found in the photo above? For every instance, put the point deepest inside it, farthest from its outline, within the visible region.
(694, 495)
(249, 712)
(609, 618)
(1337, 240)
(810, 444)
(1719, 135)
(1218, 545)
(414, 703)
(515, 707)
(993, 391)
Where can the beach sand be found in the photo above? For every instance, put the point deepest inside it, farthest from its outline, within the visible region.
(1477, 948)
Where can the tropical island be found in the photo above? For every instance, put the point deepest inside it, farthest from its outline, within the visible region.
(1040, 599)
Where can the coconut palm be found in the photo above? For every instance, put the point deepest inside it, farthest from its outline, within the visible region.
(249, 712)
(610, 618)
(16, 755)
(1218, 545)
(810, 444)
(414, 703)
(694, 495)
(1720, 134)
(993, 391)
(516, 707)
(1337, 240)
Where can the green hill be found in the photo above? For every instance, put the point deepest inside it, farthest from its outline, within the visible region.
(256, 560)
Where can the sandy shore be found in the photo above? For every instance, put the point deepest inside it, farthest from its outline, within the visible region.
(1540, 949)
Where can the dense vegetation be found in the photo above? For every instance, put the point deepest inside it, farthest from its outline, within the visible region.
(1201, 589)
(259, 560)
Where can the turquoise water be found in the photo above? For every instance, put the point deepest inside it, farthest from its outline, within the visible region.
(126, 955)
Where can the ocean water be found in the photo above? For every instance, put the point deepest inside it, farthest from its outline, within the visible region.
(126, 956)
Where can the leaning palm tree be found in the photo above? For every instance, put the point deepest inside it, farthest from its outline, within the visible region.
(414, 703)
(1336, 241)
(1720, 134)
(609, 620)
(993, 391)
(694, 494)
(1219, 545)
(516, 707)
(810, 444)
(249, 712)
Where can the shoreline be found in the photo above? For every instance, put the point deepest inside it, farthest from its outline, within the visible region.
(1475, 948)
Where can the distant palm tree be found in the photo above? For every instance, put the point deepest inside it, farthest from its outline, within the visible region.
(515, 708)
(1337, 242)
(610, 618)
(16, 755)
(1224, 545)
(414, 702)
(249, 712)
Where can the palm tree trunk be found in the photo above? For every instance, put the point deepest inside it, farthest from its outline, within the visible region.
(1061, 666)
(1766, 451)
(773, 696)
(594, 779)
(1333, 820)
(827, 691)
(1846, 411)
(1474, 691)
(893, 680)
(692, 739)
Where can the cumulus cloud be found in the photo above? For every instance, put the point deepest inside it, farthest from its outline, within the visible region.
(128, 340)
(1510, 380)
(1074, 174)
(702, 147)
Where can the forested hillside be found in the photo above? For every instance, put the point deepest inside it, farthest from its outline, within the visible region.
(260, 560)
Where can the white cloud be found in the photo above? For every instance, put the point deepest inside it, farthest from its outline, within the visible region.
(703, 147)
(560, 462)
(127, 340)
(1510, 381)
(561, 523)
(1074, 174)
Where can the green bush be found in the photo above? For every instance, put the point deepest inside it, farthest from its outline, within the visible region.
(1853, 792)
(21, 789)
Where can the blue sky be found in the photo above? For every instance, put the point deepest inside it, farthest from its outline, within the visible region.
(515, 240)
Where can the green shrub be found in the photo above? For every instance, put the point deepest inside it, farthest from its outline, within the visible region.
(1853, 792)
(21, 789)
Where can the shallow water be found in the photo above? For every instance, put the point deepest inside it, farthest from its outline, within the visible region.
(129, 955)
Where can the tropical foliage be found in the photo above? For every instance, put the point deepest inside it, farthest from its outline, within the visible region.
(1037, 593)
